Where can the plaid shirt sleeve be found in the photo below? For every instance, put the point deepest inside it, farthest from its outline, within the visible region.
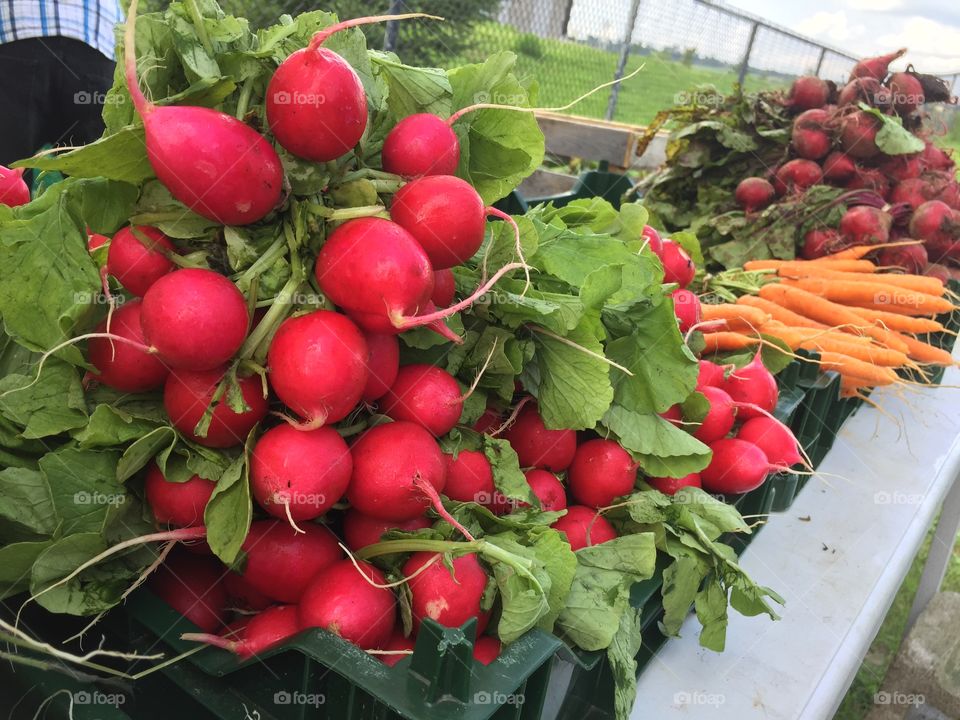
(90, 21)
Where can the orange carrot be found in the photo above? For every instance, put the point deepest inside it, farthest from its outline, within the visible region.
(778, 312)
(851, 386)
(855, 266)
(924, 353)
(919, 283)
(873, 294)
(900, 323)
(728, 341)
(830, 313)
(850, 366)
(738, 317)
(860, 251)
(816, 341)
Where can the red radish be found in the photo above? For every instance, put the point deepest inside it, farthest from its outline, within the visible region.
(382, 365)
(537, 446)
(421, 144)
(195, 319)
(138, 262)
(754, 194)
(282, 561)
(737, 466)
(911, 258)
(315, 102)
(374, 269)
(876, 67)
(584, 527)
(187, 394)
(865, 225)
(241, 595)
(710, 374)
(548, 489)
(653, 239)
(670, 486)
(448, 598)
(180, 504)
(124, 366)
(299, 474)
(686, 306)
(470, 479)
(216, 165)
(444, 288)
(446, 216)
(13, 188)
(935, 158)
(192, 585)
(820, 242)
(838, 168)
(774, 439)
(870, 179)
(935, 221)
(677, 265)
(486, 649)
(719, 418)
(391, 464)
(808, 92)
(254, 635)
(317, 366)
(858, 135)
(674, 415)
(95, 240)
(488, 422)
(360, 530)
(865, 90)
(752, 384)
(347, 603)
(396, 643)
(600, 472)
(426, 395)
(796, 176)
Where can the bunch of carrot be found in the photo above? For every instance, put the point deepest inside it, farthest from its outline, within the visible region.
(863, 323)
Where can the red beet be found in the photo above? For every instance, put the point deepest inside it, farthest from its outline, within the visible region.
(796, 176)
(911, 258)
(865, 225)
(936, 221)
(820, 242)
(875, 67)
(907, 92)
(934, 158)
(838, 168)
(809, 138)
(870, 179)
(902, 167)
(858, 135)
(808, 92)
(865, 90)
(754, 194)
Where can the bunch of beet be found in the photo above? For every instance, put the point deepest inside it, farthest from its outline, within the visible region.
(834, 142)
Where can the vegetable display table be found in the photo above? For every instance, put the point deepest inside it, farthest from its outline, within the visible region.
(838, 557)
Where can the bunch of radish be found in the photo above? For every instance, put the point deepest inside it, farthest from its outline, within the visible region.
(914, 195)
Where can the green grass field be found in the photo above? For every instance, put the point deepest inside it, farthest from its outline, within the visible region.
(565, 70)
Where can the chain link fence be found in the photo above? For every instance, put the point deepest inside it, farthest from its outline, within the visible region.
(571, 46)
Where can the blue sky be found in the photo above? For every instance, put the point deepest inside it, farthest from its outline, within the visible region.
(930, 29)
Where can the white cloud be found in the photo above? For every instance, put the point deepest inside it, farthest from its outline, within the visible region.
(933, 46)
(834, 27)
(874, 5)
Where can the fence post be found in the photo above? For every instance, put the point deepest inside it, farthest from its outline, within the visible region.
(823, 52)
(746, 56)
(622, 62)
(390, 32)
